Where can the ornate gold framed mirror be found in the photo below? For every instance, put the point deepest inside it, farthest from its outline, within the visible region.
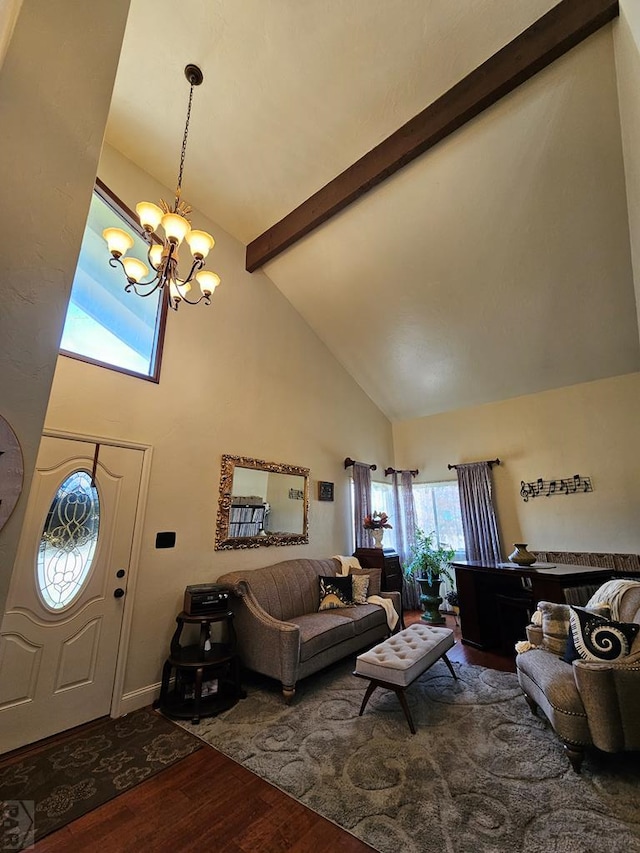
(261, 503)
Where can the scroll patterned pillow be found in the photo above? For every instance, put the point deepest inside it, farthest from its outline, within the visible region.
(598, 639)
(335, 592)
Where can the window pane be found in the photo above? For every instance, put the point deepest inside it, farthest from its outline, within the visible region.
(449, 517)
(425, 515)
(438, 510)
(103, 322)
(382, 501)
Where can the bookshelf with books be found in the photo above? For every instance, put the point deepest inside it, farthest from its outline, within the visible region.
(246, 518)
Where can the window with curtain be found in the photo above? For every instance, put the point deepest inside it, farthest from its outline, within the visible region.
(438, 510)
(104, 324)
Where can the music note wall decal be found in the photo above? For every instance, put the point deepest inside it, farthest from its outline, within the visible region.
(559, 486)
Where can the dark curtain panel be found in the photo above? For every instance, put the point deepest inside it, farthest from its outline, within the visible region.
(361, 504)
(478, 515)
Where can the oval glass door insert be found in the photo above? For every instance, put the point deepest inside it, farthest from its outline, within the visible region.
(68, 541)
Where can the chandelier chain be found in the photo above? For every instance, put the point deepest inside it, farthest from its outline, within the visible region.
(184, 146)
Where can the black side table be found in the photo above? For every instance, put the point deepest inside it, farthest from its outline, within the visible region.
(199, 664)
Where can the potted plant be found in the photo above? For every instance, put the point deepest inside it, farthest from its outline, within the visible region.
(454, 603)
(430, 566)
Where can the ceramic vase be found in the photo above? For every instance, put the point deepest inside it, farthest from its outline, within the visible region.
(377, 537)
(522, 557)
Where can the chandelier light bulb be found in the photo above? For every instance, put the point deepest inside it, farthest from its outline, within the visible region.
(200, 244)
(150, 215)
(176, 227)
(208, 281)
(178, 291)
(155, 254)
(135, 269)
(118, 241)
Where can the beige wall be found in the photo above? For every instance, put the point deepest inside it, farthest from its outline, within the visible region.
(590, 429)
(9, 11)
(55, 89)
(244, 376)
(627, 55)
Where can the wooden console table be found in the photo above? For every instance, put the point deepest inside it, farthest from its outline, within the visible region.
(497, 600)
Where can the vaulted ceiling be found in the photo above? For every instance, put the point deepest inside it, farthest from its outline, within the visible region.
(496, 264)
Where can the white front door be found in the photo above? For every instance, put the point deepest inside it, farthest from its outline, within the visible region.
(60, 632)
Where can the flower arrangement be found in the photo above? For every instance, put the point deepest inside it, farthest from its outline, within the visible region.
(376, 521)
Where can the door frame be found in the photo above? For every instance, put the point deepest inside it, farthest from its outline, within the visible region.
(136, 548)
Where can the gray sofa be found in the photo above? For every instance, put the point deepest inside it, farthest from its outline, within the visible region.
(279, 629)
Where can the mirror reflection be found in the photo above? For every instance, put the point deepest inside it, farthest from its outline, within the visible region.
(261, 503)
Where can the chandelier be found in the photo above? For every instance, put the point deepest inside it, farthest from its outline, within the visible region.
(163, 256)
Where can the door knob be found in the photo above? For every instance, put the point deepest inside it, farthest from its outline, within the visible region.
(118, 593)
(120, 573)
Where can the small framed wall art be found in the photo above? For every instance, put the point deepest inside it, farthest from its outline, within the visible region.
(325, 491)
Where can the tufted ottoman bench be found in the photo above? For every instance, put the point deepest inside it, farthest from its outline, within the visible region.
(398, 661)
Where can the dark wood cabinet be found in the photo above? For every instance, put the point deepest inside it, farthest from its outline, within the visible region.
(387, 560)
(497, 600)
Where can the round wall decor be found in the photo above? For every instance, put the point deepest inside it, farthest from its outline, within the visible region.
(11, 471)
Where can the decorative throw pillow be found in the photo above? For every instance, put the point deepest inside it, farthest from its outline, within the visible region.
(375, 579)
(596, 638)
(335, 592)
(555, 623)
(555, 626)
(360, 588)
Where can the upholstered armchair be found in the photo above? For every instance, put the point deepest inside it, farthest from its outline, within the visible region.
(587, 702)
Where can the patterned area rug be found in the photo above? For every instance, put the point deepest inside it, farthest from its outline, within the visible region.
(481, 775)
(67, 780)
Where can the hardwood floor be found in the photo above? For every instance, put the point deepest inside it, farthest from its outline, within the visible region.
(467, 654)
(207, 802)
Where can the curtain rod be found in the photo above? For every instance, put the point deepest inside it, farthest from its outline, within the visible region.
(348, 462)
(489, 462)
(414, 472)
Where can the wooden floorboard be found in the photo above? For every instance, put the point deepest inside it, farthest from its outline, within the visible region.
(209, 802)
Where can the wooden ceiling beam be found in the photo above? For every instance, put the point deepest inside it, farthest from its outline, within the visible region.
(551, 36)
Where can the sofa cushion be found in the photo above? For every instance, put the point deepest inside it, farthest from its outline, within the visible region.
(336, 592)
(596, 638)
(321, 631)
(286, 589)
(365, 617)
(375, 579)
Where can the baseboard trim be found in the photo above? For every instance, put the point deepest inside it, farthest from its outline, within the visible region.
(137, 699)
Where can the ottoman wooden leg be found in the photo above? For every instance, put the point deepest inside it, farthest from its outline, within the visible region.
(448, 663)
(405, 708)
(370, 688)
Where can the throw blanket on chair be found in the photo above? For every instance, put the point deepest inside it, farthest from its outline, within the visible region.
(387, 605)
(610, 593)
